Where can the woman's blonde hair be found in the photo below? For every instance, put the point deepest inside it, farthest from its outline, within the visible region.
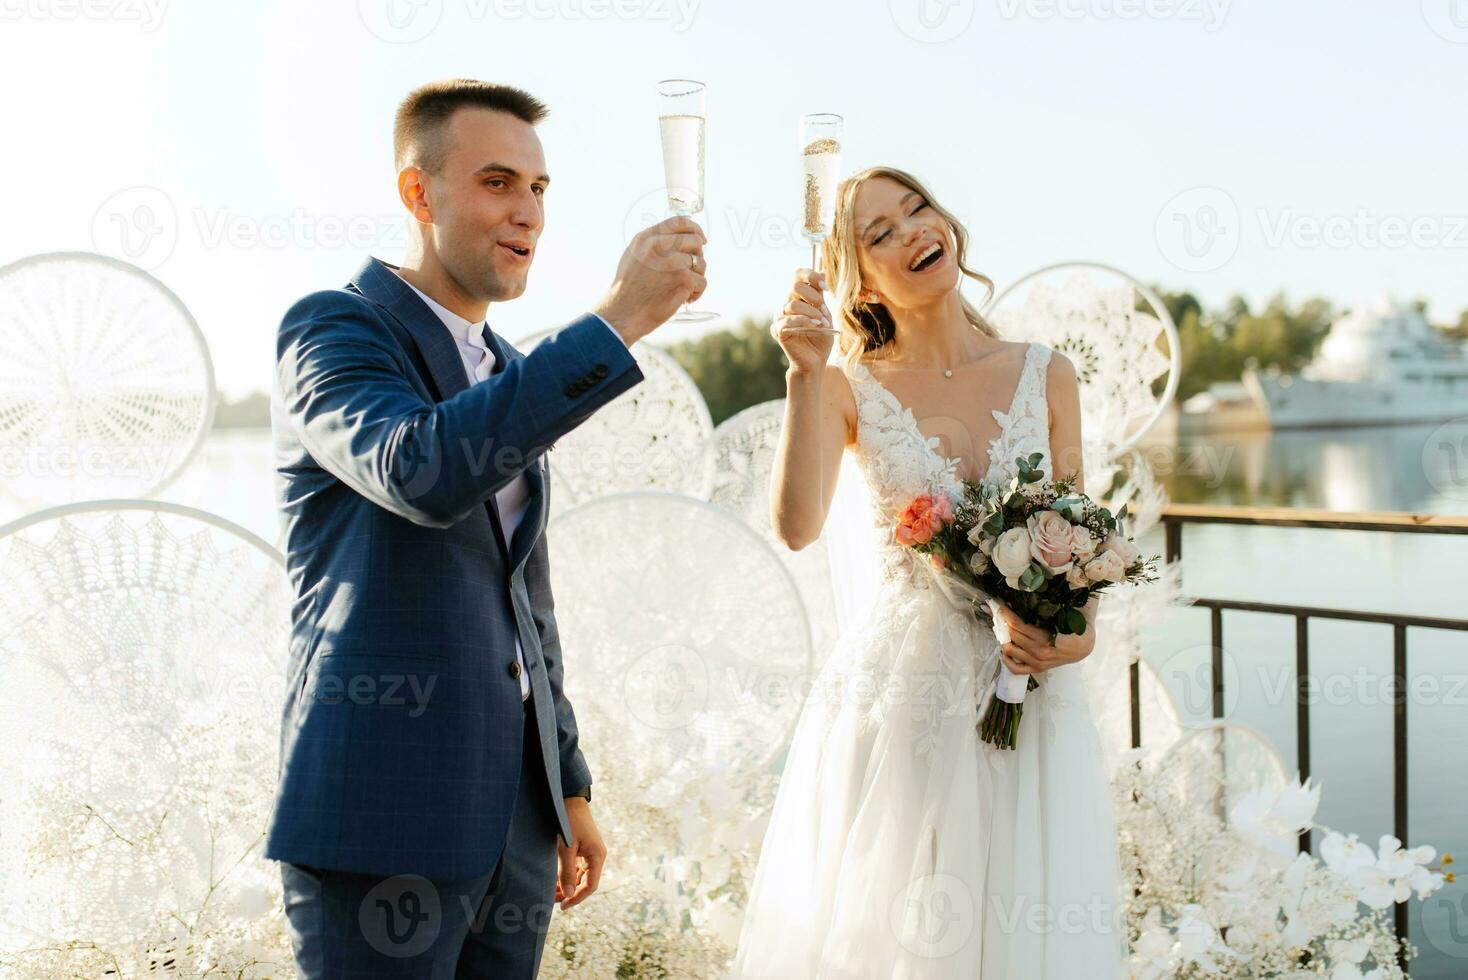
(868, 326)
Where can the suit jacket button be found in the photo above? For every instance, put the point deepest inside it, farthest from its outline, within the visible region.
(515, 669)
(600, 371)
(572, 391)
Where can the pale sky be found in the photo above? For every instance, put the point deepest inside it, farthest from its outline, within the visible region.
(242, 151)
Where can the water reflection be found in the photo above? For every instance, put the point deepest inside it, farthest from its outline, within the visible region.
(1419, 468)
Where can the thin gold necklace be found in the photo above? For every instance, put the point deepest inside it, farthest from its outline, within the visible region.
(948, 371)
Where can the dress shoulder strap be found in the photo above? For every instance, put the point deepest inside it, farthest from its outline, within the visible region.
(1037, 363)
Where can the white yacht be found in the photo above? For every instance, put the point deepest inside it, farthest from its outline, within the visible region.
(1383, 364)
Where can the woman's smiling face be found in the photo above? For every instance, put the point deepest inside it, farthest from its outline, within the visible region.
(904, 247)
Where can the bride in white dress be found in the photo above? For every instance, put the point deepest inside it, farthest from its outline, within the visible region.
(900, 845)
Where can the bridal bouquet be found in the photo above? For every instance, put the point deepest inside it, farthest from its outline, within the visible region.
(1038, 546)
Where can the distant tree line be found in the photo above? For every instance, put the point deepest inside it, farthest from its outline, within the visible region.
(744, 366)
(1218, 345)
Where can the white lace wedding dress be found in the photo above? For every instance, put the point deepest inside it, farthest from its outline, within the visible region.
(900, 845)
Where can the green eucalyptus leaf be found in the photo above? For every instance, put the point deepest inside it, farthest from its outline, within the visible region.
(1073, 620)
(1072, 508)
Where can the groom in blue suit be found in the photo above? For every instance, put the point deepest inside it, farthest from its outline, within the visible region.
(434, 802)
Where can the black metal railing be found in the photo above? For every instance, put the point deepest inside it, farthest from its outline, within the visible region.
(1173, 520)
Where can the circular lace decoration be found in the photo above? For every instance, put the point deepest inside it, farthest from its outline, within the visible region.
(106, 386)
(141, 650)
(744, 458)
(1116, 332)
(654, 436)
(686, 638)
(1217, 763)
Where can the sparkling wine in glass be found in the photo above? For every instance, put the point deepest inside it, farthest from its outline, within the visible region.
(681, 122)
(820, 169)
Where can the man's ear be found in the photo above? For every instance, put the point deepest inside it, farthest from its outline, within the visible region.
(413, 192)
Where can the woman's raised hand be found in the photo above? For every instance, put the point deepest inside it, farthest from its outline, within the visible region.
(803, 328)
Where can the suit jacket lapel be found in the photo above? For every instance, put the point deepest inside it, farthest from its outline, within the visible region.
(533, 522)
(379, 283)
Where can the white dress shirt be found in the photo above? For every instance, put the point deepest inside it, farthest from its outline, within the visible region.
(511, 500)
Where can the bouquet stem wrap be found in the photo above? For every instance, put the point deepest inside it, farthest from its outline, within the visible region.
(1002, 705)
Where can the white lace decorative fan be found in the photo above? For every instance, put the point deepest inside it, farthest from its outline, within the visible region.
(106, 386)
(654, 436)
(141, 679)
(686, 637)
(744, 457)
(1118, 334)
(1222, 761)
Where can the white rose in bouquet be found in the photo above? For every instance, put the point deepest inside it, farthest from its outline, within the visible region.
(1082, 542)
(1076, 577)
(1119, 545)
(1011, 553)
(1106, 567)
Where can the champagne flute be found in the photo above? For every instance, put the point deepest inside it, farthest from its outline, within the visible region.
(681, 121)
(820, 167)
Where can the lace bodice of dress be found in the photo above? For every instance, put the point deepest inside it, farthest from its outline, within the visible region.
(899, 463)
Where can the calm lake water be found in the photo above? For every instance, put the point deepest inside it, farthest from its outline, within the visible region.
(1422, 469)
(1419, 468)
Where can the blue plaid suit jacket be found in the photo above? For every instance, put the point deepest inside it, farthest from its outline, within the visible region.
(401, 737)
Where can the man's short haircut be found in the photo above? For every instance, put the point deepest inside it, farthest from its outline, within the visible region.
(420, 131)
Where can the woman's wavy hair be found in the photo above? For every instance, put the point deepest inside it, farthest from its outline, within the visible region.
(868, 326)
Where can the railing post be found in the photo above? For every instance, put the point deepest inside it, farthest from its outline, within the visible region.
(1399, 754)
(1135, 672)
(1172, 528)
(1302, 708)
(1215, 629)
